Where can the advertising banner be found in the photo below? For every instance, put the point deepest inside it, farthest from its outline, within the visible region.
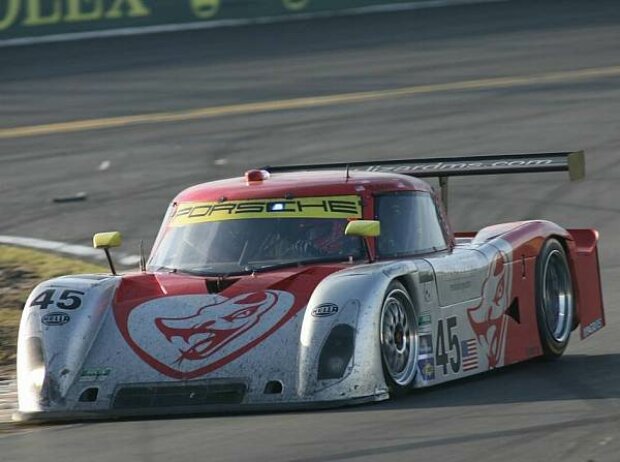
(38, 18)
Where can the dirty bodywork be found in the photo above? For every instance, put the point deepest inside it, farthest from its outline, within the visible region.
(254, 297)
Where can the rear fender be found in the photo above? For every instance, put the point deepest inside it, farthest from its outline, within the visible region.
(583, 255)
(527, 239)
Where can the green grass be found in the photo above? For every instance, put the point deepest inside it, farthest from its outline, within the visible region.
(20, 271)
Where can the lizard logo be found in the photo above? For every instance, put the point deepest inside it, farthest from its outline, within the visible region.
(204, 333)
(488, 319)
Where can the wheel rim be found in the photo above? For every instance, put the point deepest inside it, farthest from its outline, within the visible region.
(557, 297)
(399, 338)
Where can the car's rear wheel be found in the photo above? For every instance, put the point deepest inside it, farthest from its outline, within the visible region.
(398, 337)
(554, 299)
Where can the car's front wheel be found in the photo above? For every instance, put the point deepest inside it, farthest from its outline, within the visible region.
(398, 337)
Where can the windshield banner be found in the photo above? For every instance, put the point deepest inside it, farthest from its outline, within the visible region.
(188, 213)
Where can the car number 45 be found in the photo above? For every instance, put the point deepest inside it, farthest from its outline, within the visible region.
(67, 299)
(451, 354)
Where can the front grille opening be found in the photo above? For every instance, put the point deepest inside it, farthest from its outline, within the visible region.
(273, 387)
(161, 396)
(89, 395)
(217, 285)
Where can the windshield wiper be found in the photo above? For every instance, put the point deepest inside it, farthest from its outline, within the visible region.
(190, 271)
(249, 268)
(165, 268)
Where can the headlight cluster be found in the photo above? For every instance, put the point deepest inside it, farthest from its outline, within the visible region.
(31, 373)
(35, 361)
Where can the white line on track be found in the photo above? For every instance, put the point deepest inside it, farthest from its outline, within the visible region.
(80, 251)
(198, 25)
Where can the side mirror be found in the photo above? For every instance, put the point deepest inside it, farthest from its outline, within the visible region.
(106, 241)
(363, 228)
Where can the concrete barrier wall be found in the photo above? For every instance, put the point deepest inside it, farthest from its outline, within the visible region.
(39, 18)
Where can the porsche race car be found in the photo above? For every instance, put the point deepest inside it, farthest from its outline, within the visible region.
(309, 285)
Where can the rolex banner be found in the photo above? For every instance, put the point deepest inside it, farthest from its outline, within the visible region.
(36, 18)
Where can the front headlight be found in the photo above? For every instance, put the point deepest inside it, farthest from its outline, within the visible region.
(37, 377)
(30, 373)
(34, 354)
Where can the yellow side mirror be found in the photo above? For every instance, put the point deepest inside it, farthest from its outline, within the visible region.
(363, 228)
(107, 240)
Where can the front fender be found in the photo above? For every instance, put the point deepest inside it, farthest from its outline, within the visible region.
(358, 294)
(59, 323)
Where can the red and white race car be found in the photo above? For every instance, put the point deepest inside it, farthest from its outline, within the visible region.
(309, 285)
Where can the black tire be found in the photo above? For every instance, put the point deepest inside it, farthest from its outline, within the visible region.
(555, 303)
(398, 339)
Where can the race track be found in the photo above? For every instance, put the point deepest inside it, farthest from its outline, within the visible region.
(520, 76)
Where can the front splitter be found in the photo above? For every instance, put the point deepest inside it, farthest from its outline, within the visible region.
(187, 411)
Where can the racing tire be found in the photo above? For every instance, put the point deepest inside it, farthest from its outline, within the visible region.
(398, 339)
(555, 303)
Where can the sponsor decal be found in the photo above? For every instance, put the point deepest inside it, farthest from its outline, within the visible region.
(324, 310)
(488, 319)
(426, 367)
(426, 344)
(188, 336)
(55, 319)
(466, 165)
(469, 350)
(424, 322)
(94, 374)
(304, 207)
(594, 326)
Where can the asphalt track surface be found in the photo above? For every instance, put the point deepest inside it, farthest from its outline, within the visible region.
(568, 410)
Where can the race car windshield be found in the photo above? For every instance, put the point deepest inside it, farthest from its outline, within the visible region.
(247, 236)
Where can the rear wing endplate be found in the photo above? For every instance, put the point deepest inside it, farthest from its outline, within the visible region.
(445, 167)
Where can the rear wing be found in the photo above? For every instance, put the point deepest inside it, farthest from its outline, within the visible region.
(445, 167)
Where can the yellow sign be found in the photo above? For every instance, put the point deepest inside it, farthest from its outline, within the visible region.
(189, 213)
